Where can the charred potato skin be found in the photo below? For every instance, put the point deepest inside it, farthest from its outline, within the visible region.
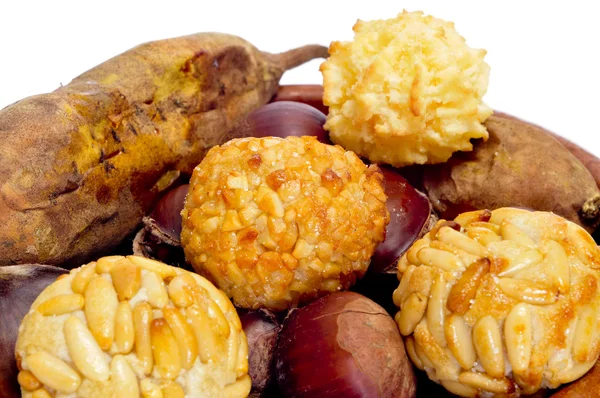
(519, 165)
(79, 166)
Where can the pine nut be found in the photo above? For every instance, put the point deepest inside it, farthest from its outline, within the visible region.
(511, 232)
(485, 382)
(440, 258)
(436, 308)
(209, 346)
(53, 372)
(62, 304)
(100, 310)
(488, 345)
(181, 290)
(171, 389)
(164, 347)
(150, 390)
(457, 239)
(460, 343)
(126, 278)
(518, 334)
(105, 264)
(459, 389)
(465, 288)
(409, 343)
(124, 330)
(411, 313)
(83, 277)
(528, 291)
(156, 290)
(123, 378)
(166, 272)
(188, 347)
(84, 350)
(586, 336)
(41, 393)
(142, 318)
(28, 381)
(239, 389)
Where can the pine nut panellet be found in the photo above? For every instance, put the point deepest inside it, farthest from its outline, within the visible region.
(501, 302)
(124, 326)
(276, 222)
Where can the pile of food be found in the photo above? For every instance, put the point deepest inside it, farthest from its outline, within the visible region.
(205, 232)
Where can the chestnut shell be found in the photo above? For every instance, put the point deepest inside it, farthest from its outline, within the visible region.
(20, 285)
(346, 345)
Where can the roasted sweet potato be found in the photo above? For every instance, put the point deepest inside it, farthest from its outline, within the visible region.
(79, 167)
(519, 165)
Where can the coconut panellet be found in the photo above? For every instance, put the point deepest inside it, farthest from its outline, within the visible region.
(122, 326)
(501, 302)
(406, 90)
(275, 222)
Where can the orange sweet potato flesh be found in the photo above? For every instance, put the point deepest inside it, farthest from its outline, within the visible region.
(80, 166)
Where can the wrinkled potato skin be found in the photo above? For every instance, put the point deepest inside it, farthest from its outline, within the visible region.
(519, 165)
(77, 166)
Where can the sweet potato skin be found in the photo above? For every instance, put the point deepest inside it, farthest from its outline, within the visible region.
(519, 165)
(79, 166)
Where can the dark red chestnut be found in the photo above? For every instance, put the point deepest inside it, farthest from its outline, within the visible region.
(262, 330)
(410, 213)
(19, 287)
(342, 345)
(167, 213)
(284, 119)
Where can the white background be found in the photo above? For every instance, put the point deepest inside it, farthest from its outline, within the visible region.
(544, 55)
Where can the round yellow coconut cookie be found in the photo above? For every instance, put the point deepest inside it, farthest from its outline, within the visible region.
(407, 90)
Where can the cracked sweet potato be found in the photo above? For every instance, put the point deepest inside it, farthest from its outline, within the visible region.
(80, 166)
(519, 165)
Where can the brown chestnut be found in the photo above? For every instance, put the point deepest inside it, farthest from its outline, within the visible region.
(284, 119)
(262, 330)
(410, 218)
(344, 345)
(19, 287)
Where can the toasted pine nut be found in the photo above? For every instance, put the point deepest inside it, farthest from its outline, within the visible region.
(126, 278)
(528, 291)
(411, 313)
(484, 236)
(41, 393)
(518, 334)
(123, 378)
(585, 247)
(188, 347)
(209, 346)
(409, 343)
(469, 217)
(242, 359)
(455, 238)
(436, 308)
(150, 390)
(166, 272)
(142, 318)
(559, 261)
(485, 382)
(440, 258)
(62, 276)
(459, 389)
(84, 350)
(232, 352)
(465, 288)
(124, 330)
(446, 366)
(219, 323)
(401, 292)
(83, 277)
(412, 253)
(521, 262)
(575, 372)
(62, 304)
(458, 337)
(105, 264)
(238, 389)
(28, 381)
(171, 389)
(164, 347)
(100, 310)
(181, 290)
(422, 356)
(53, 372)
(488, 345)
(155, 287)
(509, 231)
(586, 335)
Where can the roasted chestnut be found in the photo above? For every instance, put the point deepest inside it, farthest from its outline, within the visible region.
(345, 345)
(284, 119)
(262, 330)
(19, 287)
